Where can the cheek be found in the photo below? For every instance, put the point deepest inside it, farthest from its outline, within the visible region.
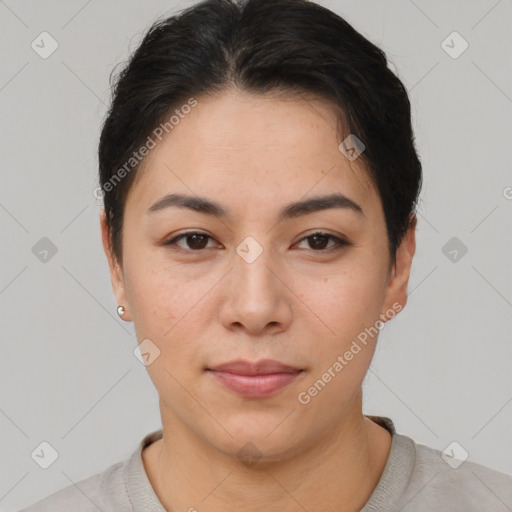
(168, 309)
(347, 298)
(154, 304)
(347, 305)
(158, 295)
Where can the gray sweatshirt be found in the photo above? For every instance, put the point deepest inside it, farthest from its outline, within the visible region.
(416, 478)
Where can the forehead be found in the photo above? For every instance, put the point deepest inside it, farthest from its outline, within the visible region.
(252, 150)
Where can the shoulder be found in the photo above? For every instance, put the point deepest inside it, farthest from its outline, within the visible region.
(83, 496)
(441, 482)
(109, 491)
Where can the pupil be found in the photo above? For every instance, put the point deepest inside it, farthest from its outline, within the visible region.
(316, 238)
(194, 245)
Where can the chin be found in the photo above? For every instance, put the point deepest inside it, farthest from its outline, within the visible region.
(265, 437)
(259, 452)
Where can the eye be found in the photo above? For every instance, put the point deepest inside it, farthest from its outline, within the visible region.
(318, 241)
(195, 240)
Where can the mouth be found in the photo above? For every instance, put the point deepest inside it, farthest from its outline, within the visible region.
(255, 379)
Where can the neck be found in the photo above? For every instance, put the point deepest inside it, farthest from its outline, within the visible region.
(341, 470)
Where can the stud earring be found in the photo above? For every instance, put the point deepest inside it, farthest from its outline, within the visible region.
(120, 311)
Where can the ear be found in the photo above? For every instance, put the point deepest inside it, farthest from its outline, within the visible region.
(116, 272)
(396, 292)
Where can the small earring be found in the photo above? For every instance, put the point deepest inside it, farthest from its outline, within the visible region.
(120, 311)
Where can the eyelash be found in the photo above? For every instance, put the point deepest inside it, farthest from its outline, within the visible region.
(339, 241)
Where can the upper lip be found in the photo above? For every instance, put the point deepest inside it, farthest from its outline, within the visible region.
(262, 367)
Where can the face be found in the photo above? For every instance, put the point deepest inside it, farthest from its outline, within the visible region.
(250, 278)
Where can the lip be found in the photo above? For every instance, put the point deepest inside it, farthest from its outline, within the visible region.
(258, 379)
(262, 367)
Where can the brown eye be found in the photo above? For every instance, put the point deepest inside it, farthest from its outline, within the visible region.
(194, 241)
(319, 242)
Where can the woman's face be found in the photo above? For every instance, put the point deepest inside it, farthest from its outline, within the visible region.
(251, 285)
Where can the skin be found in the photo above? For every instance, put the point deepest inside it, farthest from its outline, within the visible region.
(296, 303)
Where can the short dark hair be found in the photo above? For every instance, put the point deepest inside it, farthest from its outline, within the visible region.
(263, 47)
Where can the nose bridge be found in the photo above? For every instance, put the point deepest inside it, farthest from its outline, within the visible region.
(256, 298)
(252, 264)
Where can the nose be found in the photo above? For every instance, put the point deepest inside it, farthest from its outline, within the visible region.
(255, 297)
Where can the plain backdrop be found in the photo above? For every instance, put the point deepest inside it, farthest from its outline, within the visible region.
(443, 366)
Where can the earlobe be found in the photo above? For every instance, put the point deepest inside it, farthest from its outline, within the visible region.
(116, 273)
(396, 292)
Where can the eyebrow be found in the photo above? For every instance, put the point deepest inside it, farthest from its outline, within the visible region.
(291, 210)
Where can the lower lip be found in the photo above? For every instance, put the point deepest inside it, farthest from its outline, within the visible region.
(255, 386)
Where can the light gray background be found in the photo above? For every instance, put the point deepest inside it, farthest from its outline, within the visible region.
(443, 367)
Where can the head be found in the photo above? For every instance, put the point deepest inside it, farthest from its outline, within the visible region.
(260, 182)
